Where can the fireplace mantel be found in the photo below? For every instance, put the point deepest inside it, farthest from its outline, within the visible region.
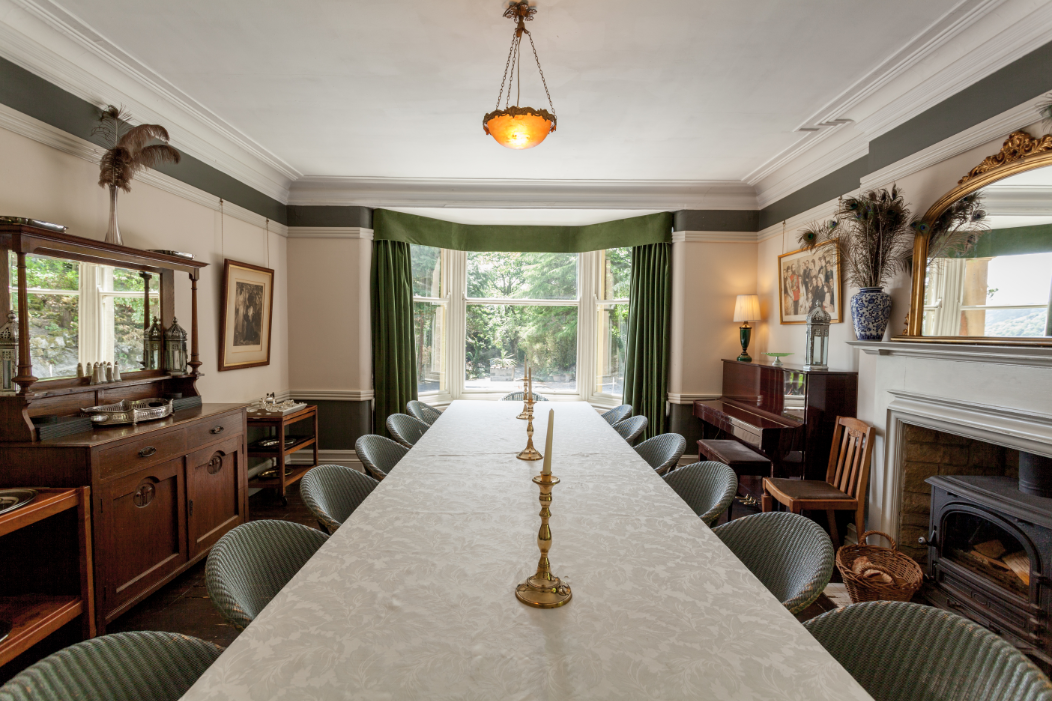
(960, 352)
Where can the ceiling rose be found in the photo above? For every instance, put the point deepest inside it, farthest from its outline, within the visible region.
(519, 127)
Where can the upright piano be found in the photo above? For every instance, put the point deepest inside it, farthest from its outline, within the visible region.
(783, 412)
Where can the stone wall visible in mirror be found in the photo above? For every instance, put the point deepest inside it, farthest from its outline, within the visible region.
(1002, 286)
(83, 313)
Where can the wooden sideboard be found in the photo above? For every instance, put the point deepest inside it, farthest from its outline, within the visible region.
(162, 493)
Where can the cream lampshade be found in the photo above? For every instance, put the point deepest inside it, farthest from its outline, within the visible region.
(746, 309)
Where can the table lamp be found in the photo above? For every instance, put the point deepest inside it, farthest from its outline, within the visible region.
(746, 308)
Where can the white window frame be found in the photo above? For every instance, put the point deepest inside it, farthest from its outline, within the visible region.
(456, 301)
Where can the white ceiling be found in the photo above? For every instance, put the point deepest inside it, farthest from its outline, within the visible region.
(673, 90)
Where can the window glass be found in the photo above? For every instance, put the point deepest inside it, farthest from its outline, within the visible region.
(128, 315)
(501, 339)
(522, 275)
(615, 273)
(429, 335)
(427, 271)
(54, 317)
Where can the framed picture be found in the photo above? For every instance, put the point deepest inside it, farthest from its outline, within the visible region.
(245, 317)
(810, 277)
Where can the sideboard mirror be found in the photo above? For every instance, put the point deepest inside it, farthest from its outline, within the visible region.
(982, 262)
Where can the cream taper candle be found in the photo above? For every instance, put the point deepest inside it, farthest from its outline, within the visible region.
(547, 469)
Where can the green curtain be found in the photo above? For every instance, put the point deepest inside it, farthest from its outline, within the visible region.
(1015, 241)
(394, 362)
(649, 322)
(425, 231)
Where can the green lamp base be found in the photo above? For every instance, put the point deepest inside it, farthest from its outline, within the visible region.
(745, 335)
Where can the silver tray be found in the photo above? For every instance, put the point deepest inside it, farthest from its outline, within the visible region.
(11, 499)
(34, 222)
(130, 411)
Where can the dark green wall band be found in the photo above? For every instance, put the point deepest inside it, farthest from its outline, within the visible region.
(716, 220)
(309, 215)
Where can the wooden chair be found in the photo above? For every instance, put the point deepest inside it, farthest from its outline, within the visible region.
(844, 488)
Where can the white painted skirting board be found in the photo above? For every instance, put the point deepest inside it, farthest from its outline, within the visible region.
(346, 395)
(347, 458)
(1023, 430)
(333, 232)
(678, 398)
(999, 355)
(31, 128)
(713, 237)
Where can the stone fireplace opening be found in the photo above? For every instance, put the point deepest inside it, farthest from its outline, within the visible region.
(929, 453)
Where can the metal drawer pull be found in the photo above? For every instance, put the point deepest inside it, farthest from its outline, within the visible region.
(147, 451)
(218, 430)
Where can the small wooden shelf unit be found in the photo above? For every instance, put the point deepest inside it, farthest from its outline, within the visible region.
(39, 595)
(279, 424)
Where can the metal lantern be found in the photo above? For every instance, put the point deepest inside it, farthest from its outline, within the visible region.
(816, 340)
(8, 355)
(154, 346)
(175, 348)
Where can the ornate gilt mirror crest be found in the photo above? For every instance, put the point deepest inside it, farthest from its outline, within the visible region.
(982, 269)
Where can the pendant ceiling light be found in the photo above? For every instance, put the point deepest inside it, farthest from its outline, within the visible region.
(519, 127)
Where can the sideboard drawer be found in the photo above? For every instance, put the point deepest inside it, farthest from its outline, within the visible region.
(141, 453)
(215, 429)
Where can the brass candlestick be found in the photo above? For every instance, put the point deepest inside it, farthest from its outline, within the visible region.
(544, 590)
(527, 404)
(529, 452)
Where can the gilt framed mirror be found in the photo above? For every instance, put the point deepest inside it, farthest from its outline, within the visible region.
(982, 271)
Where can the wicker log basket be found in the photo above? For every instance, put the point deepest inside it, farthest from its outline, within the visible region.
(875, 573)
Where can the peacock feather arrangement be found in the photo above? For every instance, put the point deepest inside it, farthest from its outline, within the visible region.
(134, 149)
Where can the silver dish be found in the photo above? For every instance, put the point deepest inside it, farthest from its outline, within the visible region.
(177, 254)
(34, 222)
(130, 411)
(11, 499)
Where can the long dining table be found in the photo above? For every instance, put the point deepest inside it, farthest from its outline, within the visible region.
(414, 596)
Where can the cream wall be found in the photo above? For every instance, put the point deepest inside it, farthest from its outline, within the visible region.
(42, 182)
(706, 278)
(330, 344)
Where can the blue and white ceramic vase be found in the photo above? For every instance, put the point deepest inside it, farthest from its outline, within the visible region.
(870, 312)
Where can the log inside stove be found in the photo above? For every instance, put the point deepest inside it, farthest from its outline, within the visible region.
(986, 549)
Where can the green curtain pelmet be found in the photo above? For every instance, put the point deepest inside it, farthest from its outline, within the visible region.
(649, 321)
(394, 364)
(425, 231)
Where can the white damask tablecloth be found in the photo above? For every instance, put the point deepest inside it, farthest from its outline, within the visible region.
(413, 597)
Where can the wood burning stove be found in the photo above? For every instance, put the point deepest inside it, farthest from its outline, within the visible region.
(990, 558)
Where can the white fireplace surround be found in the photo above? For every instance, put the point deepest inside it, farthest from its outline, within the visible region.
(1000, 395)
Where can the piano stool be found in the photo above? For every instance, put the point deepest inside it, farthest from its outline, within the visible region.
(745, 462)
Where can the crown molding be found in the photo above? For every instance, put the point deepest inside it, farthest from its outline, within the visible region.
(993, 129)
(1033, 201)
(713, 237)
(807, 173)
(345, 395)
(14, 121)
(522, 194)
(334, 232)
(56, 45)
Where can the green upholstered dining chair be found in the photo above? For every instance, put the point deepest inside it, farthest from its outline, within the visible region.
(707, 487)
(137, 666)
(379, 454)
(425, 412)
(662, 452)
(521, 396)
(790, 554)
(618, 413)
(631, 429)
(405, 429)
(333, 492)
(900, 651)
(251, 563)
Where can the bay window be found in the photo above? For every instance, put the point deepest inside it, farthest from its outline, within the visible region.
(563, 314)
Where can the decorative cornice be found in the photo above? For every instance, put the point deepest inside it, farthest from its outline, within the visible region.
(996, 355)
(333, 232)
(522, 194)
(1017, 201)
(58, 46)
(1019, 146)
(713, 237)
(345, 395)
(680, 398)
(24, 125)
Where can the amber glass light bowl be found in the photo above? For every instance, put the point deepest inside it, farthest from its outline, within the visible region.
(519, 127)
